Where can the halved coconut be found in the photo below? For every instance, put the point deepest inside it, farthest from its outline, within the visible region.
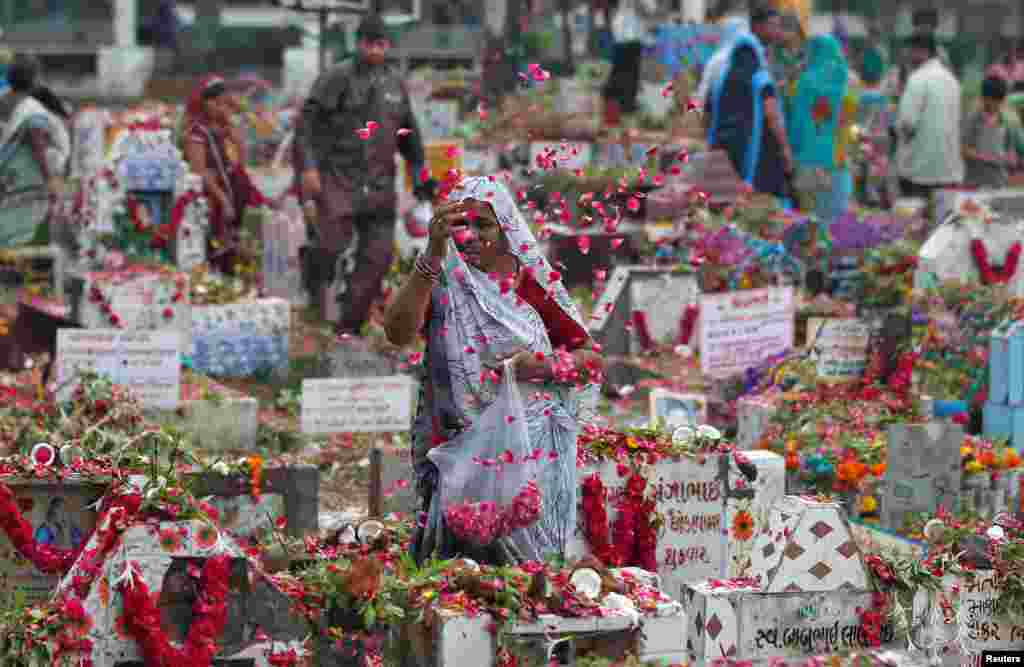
(347, 535)
(587, 582)
(933, 530)
(617, 601)
(369, 530)
(469, 564)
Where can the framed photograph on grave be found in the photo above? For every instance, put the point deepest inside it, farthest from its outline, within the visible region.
(60, 516)
(673, 409)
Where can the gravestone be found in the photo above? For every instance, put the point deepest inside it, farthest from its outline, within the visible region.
(1006, 202)
(661, 295)
(699, 501)
(296, 488)
(188, 247)
(739, 330)
(357, 405)
(392, 482)
(355, 358)
(923, 471)
(840, 347)
(59, 514)
(807, 587)
(146, 362)
(163, 555)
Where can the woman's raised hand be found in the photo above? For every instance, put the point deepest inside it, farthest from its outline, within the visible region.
(440, 227)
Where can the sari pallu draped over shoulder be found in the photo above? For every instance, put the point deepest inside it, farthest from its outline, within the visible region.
(738, 118)
(474, 322)
(25, 201)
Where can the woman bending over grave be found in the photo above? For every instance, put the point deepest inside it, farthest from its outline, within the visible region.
(34, 151)
(499, 408)
(214, 150)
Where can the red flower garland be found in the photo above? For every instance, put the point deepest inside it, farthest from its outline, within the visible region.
(595, 520)
(990, 276)
(635, 537)
(209, 618)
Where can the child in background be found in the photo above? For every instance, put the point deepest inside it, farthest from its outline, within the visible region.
(987, 139)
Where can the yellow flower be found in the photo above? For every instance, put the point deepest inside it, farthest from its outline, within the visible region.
(974, 467)
(966, 451)
(868, 504)
(631, 443)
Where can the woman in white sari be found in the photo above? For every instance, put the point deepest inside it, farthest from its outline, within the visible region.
(34, 152)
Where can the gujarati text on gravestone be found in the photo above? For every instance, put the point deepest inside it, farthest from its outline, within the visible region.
(146, 362)
(803, 624)
(691, 498)
(357, 405)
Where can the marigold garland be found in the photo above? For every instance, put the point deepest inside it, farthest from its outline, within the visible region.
(210, 615)
(990, 276)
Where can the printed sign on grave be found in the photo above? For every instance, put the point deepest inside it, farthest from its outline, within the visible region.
(840, 345)
(147, 362)
(922, 471)
(59, 515)
(366, 405)
(690, 497)
(739, 330)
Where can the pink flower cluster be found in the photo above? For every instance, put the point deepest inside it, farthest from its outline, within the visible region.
(484, 522)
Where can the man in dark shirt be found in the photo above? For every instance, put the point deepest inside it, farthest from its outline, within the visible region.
(355, 119)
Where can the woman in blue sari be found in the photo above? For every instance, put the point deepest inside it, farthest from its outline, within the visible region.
(746, 120)
(814, 127)
(488, 303)
(34, 151)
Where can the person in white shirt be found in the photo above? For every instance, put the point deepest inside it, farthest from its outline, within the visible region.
(930, 156)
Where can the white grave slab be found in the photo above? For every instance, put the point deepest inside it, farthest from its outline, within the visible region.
(695, 500)
(147, 362)
(366, 405)
(947, 254)
(739, 330)
(840, 346)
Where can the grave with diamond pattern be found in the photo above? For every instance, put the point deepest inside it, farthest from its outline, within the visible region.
(801, 594)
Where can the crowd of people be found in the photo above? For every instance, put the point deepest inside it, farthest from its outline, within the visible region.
(793, 123)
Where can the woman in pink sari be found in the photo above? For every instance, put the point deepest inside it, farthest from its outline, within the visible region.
(214, 150)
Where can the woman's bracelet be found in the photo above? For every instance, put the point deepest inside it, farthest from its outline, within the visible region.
(425, 269)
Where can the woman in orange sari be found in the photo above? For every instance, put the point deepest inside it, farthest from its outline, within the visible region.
(214, 150)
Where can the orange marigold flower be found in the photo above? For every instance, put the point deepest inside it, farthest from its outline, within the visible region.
(743, 526)
(792, 462)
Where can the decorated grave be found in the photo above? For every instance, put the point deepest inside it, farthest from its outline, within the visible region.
(182, 581)
(806, 593)
(144, 203)
(973, 245)
(241, 339)
(689, 514)
(644, 307)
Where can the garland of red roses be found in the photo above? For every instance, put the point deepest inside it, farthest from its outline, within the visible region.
(635, 539)
(97, 297)
(210, 615)
(990, 276)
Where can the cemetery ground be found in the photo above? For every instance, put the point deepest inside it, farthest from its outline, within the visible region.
(344, 459)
